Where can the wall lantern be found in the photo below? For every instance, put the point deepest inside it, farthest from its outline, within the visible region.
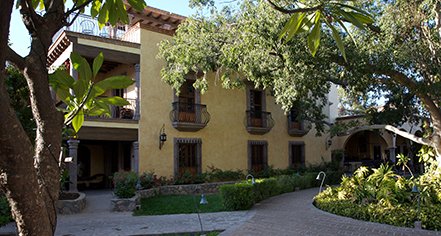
(328, 143)
(162, 136)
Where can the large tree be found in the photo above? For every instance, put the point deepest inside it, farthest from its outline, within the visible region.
(29, 174)
(398, 54)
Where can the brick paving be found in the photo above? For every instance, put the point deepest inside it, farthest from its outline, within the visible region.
(287, 214)
(294, 214)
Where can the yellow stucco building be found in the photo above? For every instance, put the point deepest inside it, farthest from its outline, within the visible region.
(225, 129)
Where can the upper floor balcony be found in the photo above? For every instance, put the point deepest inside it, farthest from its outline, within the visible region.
(120, 112)
(258, 122)
(189, 117)
(296, 128)
(85, 24)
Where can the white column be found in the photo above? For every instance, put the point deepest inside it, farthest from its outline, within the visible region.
(392, 154)
(137, 115)
(73, 152)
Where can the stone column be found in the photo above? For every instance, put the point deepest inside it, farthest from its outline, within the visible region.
(73, 152)
(137, 115)
(136, 157)
(392, 154)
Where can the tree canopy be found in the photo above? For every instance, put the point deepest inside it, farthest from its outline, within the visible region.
(397, 55)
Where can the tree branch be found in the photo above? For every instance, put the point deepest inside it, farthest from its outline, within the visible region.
(16, 60)
(286, 11)
(77, 8)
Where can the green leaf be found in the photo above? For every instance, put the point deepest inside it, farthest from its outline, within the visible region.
(64, 95)
(362, 18)
(139, 5)
(116, 101)
(355, 9)
(346, 29)
(78, 121)
(297, 24)
(114, 82)
(113, 13)
(101, 105)
(350, 18)
(76, 60)
(63, 78)
(79, 89)
(337, 39)
(95, 9)
(103, 17)
(95, 112)
(292, 21)
(122, 12)
(97, 63)
(314, 36)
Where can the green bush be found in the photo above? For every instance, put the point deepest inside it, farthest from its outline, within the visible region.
(124, 183)
(5, 211)
(265, 188)
(217, 175)
(150, 180)
(188, 178)
(236, 197)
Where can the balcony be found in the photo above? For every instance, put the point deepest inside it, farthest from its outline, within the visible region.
(85, 24)
(296, 128)
(258, 122)
(120, 112)
(189, 117)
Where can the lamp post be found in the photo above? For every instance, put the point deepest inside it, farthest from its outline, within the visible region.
(417, 224)
(323, 180)
(252, 178)
(203, 201)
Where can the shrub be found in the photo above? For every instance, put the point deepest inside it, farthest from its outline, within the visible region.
(5, 211)
(218, 175)
(265, 188)
(124, 183)
(150, 180)
(236, 197)
(188, 178)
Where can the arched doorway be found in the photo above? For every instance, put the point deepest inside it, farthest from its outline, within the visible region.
(365, 148)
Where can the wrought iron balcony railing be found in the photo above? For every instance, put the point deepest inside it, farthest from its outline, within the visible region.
(258, 122)
(87, 25)
(189, 116)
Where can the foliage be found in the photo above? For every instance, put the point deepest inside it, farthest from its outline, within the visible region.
(182, 204)
(218, 175)
(19, 93)
(5, 211)
(124, 183)
(150, 180)
(188, 178)
(243, 195)
(236, 197)
(64, 178)
(85, 100)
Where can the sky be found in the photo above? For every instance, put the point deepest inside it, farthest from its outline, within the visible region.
(20, 38)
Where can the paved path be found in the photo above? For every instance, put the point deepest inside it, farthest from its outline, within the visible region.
(287, 214)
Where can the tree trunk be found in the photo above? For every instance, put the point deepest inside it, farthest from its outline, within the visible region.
(29, 176)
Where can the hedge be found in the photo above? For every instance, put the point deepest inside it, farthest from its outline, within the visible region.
(243, 195)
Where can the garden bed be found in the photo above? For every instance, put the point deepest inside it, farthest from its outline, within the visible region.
(72, 205)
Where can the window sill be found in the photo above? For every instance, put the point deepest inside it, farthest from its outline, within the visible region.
(297, 132)
(258, 130)
(188, 127)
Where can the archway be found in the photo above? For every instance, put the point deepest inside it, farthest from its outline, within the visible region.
(365, 148)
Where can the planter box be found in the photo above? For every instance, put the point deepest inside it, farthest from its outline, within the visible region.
(123, 204)
(67, 207)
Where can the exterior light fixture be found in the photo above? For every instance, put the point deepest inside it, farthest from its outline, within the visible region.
(323, 180)
(162, 136)
(415, 190)
(203, 201)
(328, 144)
(252, 178)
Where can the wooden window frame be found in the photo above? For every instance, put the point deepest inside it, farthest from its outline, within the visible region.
(265, 152)
(176, 142)
(296, 143)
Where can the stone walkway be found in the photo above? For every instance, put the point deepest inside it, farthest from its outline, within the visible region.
(287, 214)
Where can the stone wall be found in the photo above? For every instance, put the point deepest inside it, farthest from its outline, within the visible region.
(208, 188)
(123, 204)
(67, 207)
